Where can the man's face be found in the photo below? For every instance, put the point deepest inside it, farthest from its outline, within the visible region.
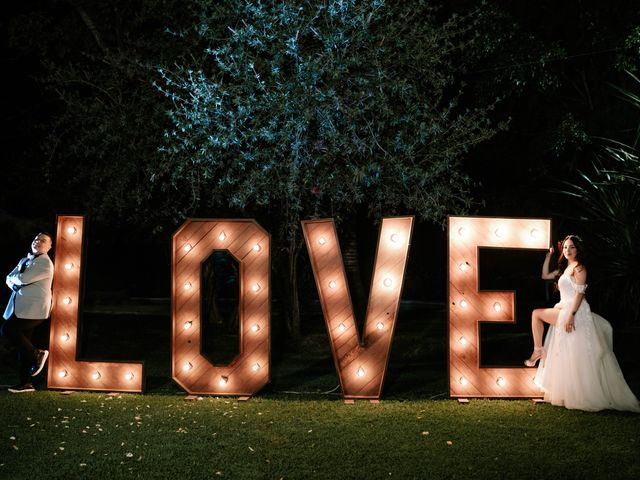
(41, 244)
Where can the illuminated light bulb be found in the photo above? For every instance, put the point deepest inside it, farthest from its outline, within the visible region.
(535, 233)
(188, 325)
(72, 230)
(462, 232)
(322, 240)
(332, 284)
(255, 287)
(255, 367)
(255, 327)
(501, 381)
(65, 337)
(187, 366)
(187, 285)
(360, 372)
(464, 266)
(497, 307)
(463, 303)
(257, 247)
(395, 238)
(499, 232)
(462, 340)
(223, 381)
(129, 376)
(379, 325)
(96, 375)
(387, 282)
(187, 247)
(342, 327)
(463, 381)
(68, 266)
(222, 236)
(66, 300)
(62, 373)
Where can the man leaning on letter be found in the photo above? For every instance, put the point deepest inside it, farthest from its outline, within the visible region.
(29, 306)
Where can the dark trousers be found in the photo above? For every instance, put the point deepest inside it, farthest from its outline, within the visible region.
(19, 332)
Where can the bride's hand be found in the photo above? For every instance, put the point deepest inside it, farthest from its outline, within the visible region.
(570, 325)
(550, 252)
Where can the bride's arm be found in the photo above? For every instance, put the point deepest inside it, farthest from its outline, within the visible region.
(580, 276)
(546, 274)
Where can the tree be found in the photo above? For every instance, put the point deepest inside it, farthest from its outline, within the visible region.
(305, 109)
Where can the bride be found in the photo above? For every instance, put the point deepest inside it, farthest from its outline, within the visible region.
(577, 368)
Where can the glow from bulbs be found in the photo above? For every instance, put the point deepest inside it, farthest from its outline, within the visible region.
(501, 381)
(322, 241)
(187, 285)
(387, 282)
(223, 381)
(395, 238)
(379, 325)
(222, 236)
(72, 230)
(188, 325)
(342, 327)
(257, 247)
(62, 373)
(129, 376)
(463, 381)
(96, 375)
(68, 266)
(187, 247)
(255, 367)
(464, 267)
(187, 366)
(463, 303)
(463, 340)
(497, 307)
(255, 327)
(255, 287)
(66, 300)
(360, 372)
(65, 337)
(332, 284)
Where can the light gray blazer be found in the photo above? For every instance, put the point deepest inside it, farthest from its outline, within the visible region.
(31, 297)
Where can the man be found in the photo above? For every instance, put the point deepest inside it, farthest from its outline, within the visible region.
(29, 306)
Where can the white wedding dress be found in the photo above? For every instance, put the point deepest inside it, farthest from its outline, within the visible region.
(578, 370)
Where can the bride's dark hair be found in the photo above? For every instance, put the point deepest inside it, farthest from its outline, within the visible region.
(562, 261)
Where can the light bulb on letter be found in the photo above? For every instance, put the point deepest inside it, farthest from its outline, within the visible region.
(128, 376)
(463, 381)
(222, 236)
(257, 247)
(187, 285)
(187, 366)
(62, 373)
(65, 337)
(187, 247)
(96, 375)
(68, 266)
(223, 381)
(322, 241)
(497, 307)
(342, 327)
(66, 300)
(380, 325)
(387, 282)
(188, 325)
(71, 230)
(255, 327)
(332, 284)
(463, 303)
(255, 367)
(360, 372)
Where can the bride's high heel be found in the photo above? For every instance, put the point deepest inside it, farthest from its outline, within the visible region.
(535, 356)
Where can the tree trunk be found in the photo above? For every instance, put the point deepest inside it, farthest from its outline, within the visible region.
(293, 324)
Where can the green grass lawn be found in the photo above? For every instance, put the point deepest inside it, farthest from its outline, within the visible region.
(96, 435)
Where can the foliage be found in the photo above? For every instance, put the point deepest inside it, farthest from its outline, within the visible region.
(607, 202)
(103, 126)
(312, 109)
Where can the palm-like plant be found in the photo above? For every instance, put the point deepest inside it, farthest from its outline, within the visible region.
(607, 203)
